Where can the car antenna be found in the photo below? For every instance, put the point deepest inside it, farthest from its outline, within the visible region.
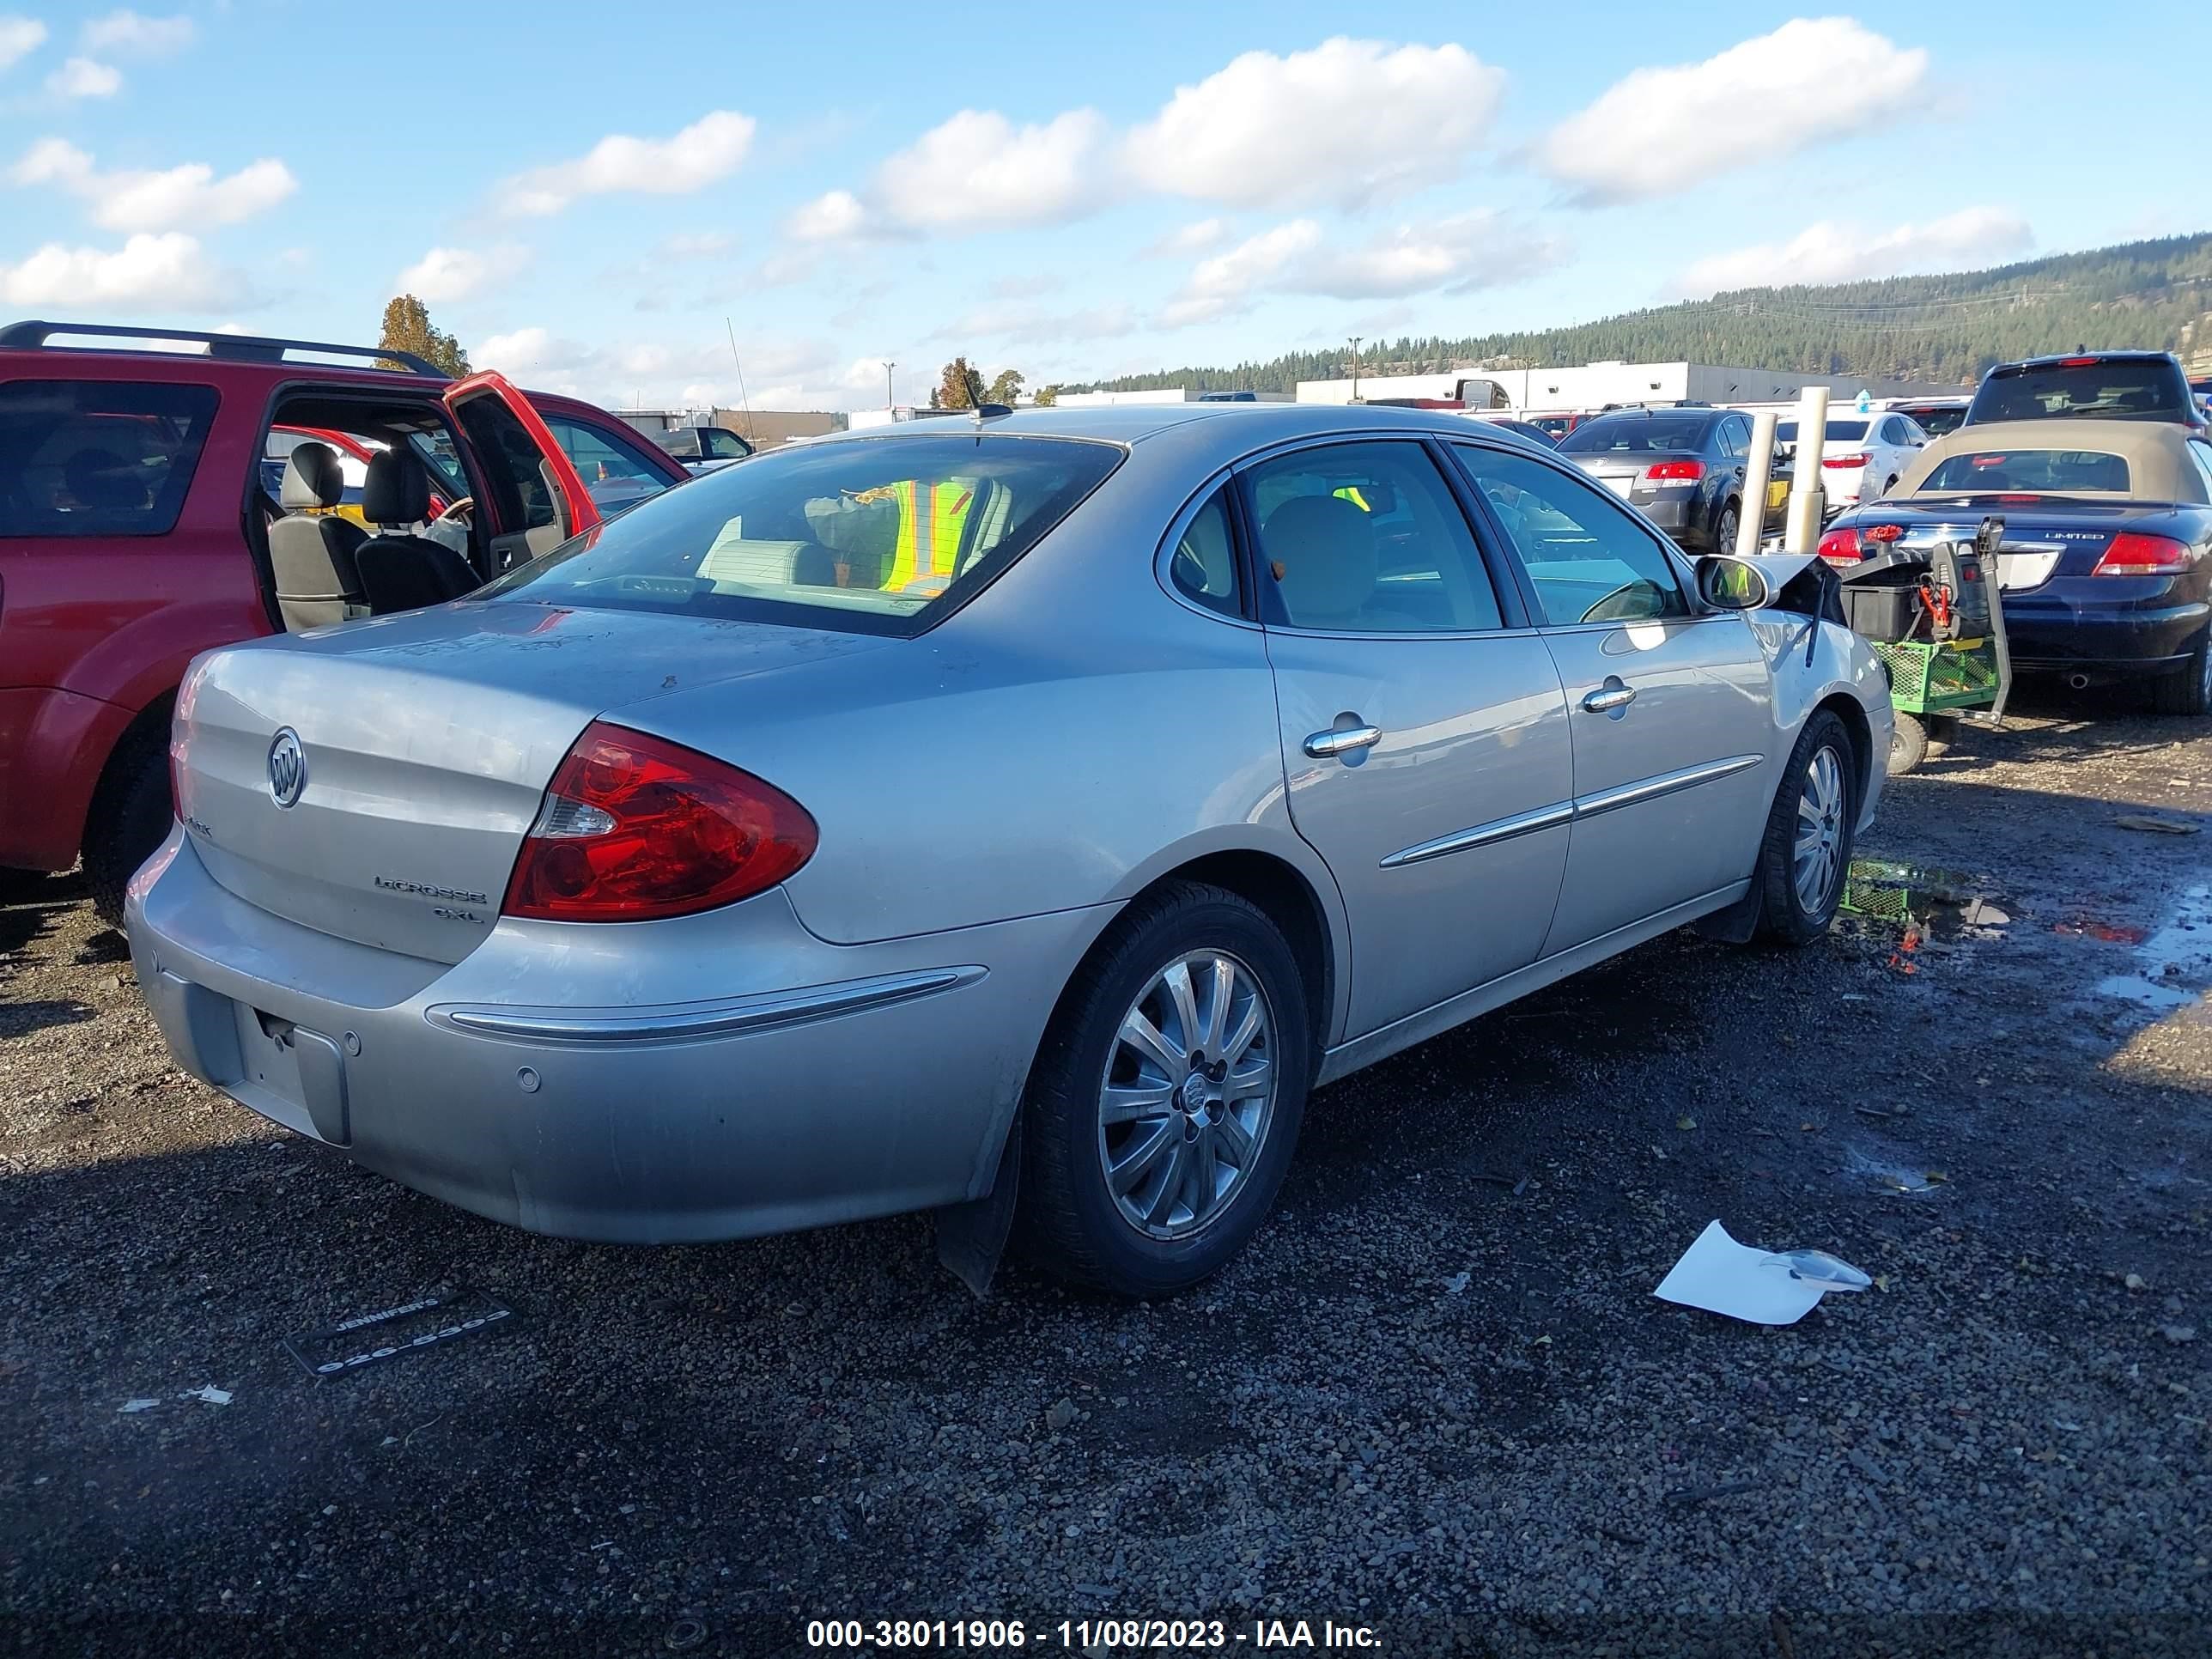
(752, 436)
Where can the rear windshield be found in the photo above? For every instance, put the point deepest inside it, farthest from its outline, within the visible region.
(1839, 432)
(2125, 389)
(1937, 421)
(2034, 470)
(1641, 435)
(873, 536)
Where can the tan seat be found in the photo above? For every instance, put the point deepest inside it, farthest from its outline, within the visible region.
(311, 548)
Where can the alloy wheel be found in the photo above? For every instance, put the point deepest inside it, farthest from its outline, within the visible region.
(1818, 860)
(1189, 1095)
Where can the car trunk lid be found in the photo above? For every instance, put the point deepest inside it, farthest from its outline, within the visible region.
(423, 745)
(2046, 537)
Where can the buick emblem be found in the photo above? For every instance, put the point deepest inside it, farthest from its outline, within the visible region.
(288, 767)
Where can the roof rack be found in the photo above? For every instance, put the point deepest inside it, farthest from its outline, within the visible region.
(230, 348)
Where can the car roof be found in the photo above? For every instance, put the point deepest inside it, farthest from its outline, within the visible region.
(1132, 423)
(2156, 451)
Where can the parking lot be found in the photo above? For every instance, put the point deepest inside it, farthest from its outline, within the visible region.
(1435, 1395)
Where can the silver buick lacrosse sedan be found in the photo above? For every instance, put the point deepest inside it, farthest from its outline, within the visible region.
(1031, 808)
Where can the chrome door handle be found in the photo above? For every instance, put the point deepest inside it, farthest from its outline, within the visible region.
(1322, 744)
(1609, 697)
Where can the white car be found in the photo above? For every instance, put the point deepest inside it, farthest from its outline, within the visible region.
(1862, 456)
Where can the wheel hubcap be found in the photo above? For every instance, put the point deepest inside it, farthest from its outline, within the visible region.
(1819, 852)
(1189, 1095)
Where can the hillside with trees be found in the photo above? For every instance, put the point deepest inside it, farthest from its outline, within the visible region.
(1944, 328)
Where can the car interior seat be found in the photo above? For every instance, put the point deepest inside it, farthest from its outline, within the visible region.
(1321, 550)
(311, 549)
(400, 570)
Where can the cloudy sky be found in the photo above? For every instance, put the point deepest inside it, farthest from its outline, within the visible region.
(593, 197)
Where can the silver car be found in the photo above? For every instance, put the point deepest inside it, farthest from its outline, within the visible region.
(1044, 803)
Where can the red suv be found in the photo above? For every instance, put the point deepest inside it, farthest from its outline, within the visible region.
(137, 529)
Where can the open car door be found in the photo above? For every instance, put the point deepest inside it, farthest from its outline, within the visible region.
(537, 500)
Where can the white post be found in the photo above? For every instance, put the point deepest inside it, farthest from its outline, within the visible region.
(1751, 517)
(1803, 534)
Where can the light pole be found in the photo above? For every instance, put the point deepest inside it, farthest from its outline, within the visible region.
(1355, 369)
(889, 403)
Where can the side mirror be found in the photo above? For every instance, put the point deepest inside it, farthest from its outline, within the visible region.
(1731, 584)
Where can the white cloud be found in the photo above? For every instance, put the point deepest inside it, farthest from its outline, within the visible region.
(459, 273)
(1193, 238)
(127, 30)
(1830, 251)
(1021, 324)
(1455, 254)
(836, 217)
(82, 77)
(778, 373)
(1342, 124)
(170, 271)
(979, 171)
(189, 194)
(695, 245)
(1664, 129)
(19, 38)
(711, 148)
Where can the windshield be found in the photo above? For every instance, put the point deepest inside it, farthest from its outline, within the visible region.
(1838, 432)
(2127, 389)
(1640, 435)
(868, 537)
(2035, 471)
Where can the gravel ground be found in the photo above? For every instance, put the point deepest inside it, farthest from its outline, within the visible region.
(1436, 1397)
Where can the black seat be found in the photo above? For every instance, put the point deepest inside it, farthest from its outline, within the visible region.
(401, 571)
(311, 549)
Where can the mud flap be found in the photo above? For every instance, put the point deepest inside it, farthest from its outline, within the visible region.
(972, 1236)
(1737, 924)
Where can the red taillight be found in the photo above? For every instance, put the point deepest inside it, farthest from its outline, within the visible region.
(635, 828)
(2077, 362)
(2134, 554)
(1841, 546)
(1845, 460)
(1659, 471)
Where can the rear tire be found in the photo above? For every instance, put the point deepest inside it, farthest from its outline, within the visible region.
(1908, 745)
(1153, 1234)
(2187, 690)
(1815, 809)
(1724, 528)
(129, 815)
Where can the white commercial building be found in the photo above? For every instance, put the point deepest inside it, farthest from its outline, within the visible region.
(1594, 384)
(1168, 394)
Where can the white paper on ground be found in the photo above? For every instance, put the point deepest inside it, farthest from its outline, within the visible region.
(1723, 1276)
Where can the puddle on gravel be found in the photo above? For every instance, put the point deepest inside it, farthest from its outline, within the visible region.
(1920, 900)
(2173, 963)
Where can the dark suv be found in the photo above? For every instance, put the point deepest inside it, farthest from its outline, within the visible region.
(2114, 385)
(138, 528)
(1682, 466)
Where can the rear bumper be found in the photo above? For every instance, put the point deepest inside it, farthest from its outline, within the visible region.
(2060, 634)
(552, 1081)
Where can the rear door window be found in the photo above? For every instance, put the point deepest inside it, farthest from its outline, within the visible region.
(1366, 538)
(1589, 560)
(98, 457)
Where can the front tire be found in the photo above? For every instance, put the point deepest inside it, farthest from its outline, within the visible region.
(1806, 849)
(1908, 744)
(1166, 1097)
(2188, 689)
